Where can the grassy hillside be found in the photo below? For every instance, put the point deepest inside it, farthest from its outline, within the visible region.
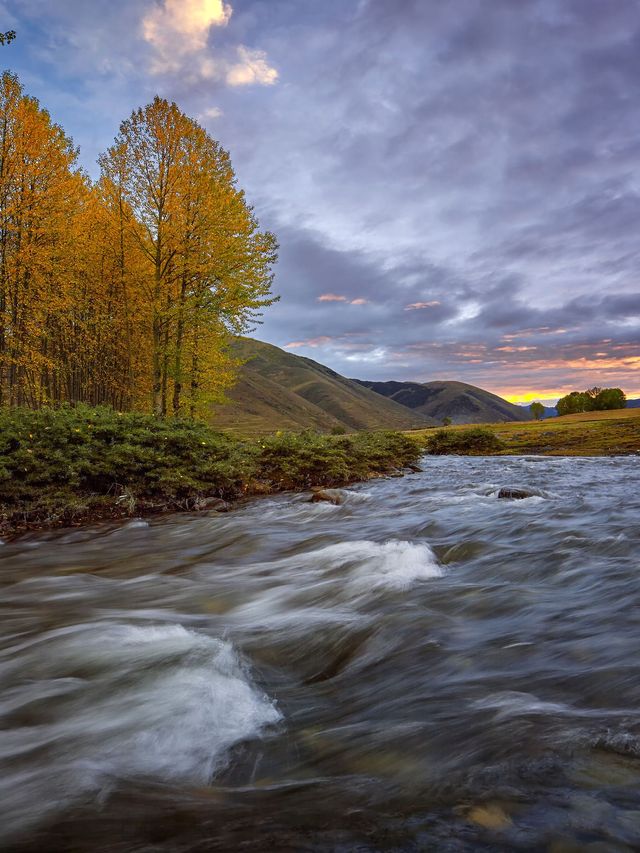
(587, 434)
(463, 403)
(279, 390)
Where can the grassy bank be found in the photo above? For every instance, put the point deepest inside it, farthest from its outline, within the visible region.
(608, 433)
(70, 466)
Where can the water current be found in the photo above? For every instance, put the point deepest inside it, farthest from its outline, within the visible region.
(424, 667)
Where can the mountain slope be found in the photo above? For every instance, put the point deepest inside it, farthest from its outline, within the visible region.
(464, 404)
(279, 390)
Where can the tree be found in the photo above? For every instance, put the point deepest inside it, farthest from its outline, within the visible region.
(611, 398)
(573, 403)
(40, 190)
(537, 410)
(594, 399)
(446, 421)
(206, 266)
(8, 37)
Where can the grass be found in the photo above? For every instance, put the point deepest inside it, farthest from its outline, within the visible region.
(73, 465)
(588, 434)
(279, 390)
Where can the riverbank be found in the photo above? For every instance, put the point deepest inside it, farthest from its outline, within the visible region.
(74, 466)
(612, 433)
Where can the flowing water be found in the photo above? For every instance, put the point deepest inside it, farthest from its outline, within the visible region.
(425, 667)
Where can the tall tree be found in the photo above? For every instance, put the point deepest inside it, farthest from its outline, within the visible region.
(208, 267)
(40, 186)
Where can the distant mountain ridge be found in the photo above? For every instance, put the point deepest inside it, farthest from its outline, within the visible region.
(462, 403)
(279, 390)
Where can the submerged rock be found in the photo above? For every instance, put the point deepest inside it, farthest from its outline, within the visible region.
(515, 494)
(489, 816)
(333, 496)
(214, 504)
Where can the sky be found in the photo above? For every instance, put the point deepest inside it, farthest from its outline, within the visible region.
(455, 184)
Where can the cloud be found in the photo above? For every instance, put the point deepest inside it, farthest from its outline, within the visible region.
(335, 297)
(210, 112)
(252, 67)
(179, 27)
(417, 306)
(331, 297)
(321, 340)
(178, 31)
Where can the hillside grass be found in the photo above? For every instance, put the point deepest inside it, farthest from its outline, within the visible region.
(615, 432)
(72, 465)
(279, 390)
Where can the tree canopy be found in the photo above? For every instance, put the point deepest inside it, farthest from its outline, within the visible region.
(537, 410)
(7, 37)
(591, 400)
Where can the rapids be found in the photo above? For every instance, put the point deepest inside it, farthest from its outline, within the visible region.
(424, 667)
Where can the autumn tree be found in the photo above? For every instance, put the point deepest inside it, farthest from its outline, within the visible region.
(40, 185)
(7, 37)
(70, 323)
(205, 267)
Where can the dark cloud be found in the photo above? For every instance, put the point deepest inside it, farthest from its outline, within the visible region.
(477, 158)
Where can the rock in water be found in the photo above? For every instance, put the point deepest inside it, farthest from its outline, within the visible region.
(332, 496)
(515, 494)
(214, 504)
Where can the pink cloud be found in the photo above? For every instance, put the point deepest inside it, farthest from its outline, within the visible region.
(416, 306)
(359, 301)
(331, 297)
(310, 342)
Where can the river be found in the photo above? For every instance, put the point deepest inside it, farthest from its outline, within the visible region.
(425, 667)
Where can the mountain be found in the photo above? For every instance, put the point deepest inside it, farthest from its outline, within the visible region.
(633, 404)
(279, 390)
(464, 404)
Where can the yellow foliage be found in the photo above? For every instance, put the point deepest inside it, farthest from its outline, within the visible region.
(124, 292)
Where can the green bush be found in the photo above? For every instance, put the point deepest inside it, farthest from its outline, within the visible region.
(300, 460)
(466, 442)
(61, 464)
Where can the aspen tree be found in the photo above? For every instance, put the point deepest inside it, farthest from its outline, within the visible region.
(208, 265)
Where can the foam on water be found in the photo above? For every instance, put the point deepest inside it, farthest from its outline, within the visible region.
(334, 584)
(394, 564)
(121, 701)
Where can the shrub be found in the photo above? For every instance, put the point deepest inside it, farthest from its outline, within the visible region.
(57, 464)
(466, 442)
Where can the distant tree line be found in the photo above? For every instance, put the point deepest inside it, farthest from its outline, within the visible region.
(591, 400)
(125, 290)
